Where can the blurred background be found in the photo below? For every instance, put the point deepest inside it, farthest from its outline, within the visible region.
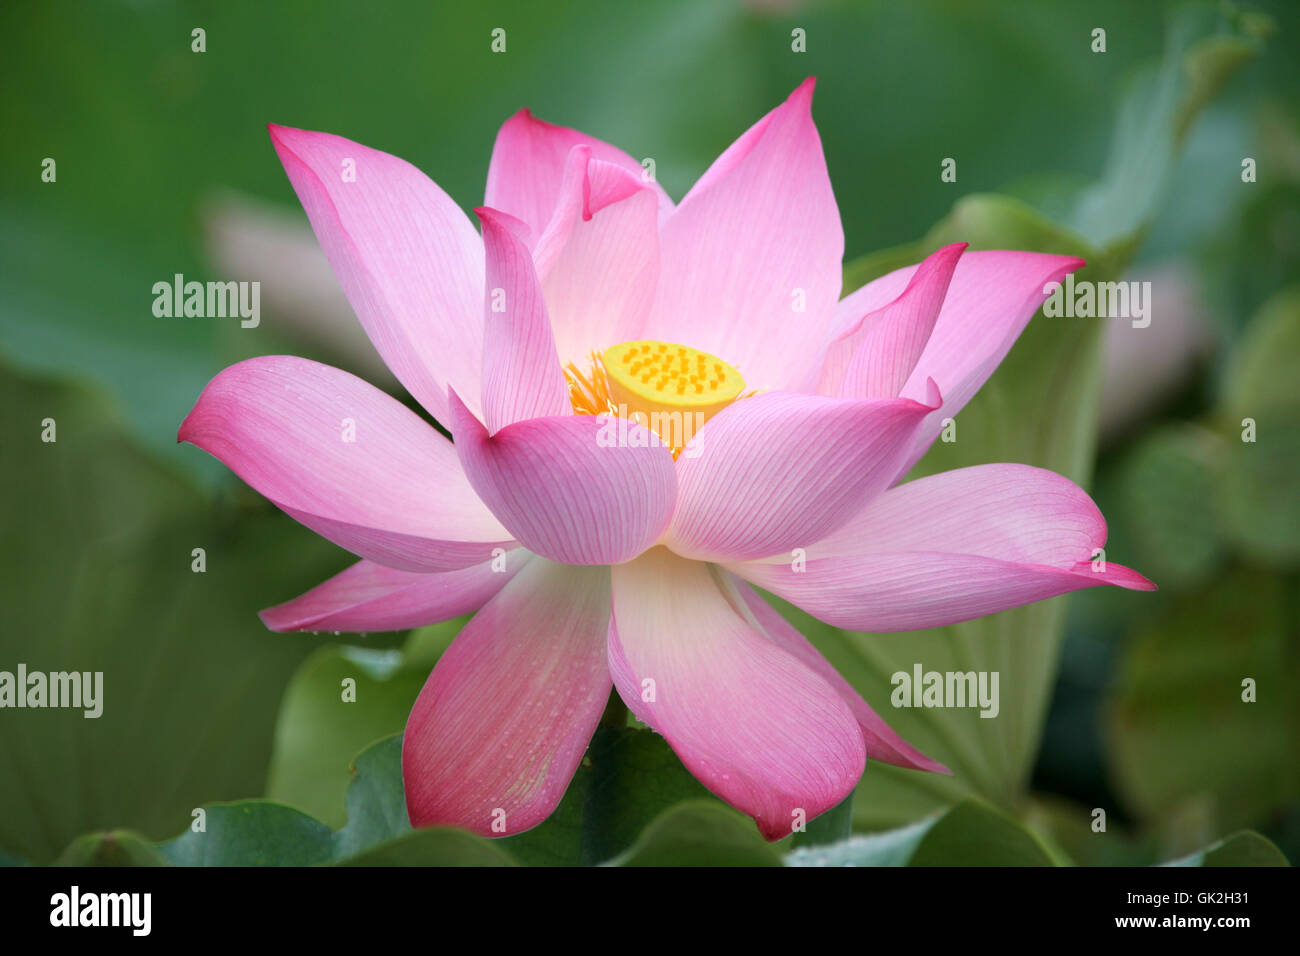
(1129, 702)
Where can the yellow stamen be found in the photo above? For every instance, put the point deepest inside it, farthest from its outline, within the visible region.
(589, 391)
(672, 389)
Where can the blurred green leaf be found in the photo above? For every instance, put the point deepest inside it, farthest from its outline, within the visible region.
(1259, 497)
(858, 272)
(114, 848)
(377, 833)
(699, 834)
(1166, 505)
(1178, 728)
(1241, 849)
(635, 776)
(976, 835)
(834, 825)
(102, 582)
(1067, 828)
(886, 848)
(433, 847)
(1154, 118)
(10, 859)
(252, 833)
(318, 732)
(969, 834)
(100, 326)
(1261, 374)
(376, 799)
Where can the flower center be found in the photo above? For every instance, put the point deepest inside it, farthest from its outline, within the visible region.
(671, 389)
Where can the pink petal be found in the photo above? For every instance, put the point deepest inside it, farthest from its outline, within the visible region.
(408, 259)
(873, 358)
(949, 548)
(528, 166)
(369, 597)
(567, 494)
(521, 372)
(990, 300)
(497, 732)
(781, 470)
(882, 742)
(599, 256)
(395, 494)
(755, 724)
(757, 238)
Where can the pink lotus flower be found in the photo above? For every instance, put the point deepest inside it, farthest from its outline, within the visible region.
(591, 560)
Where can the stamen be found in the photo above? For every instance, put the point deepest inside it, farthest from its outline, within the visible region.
(674, 388)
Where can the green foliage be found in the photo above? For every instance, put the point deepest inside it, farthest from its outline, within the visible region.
(1262, 509)
(628, 777)
(1214, 516)
(834, 825)
(252, 833)
(969, 834)
(1240, 849)
(699, 834)
(626, 782)
(635, 776)
(1168, 508)
(440, 847)
(1159, 108)
(102, 581)
(974, 834)
(112, 848)
(631, 803)
(1178, 725)
(317, 731)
